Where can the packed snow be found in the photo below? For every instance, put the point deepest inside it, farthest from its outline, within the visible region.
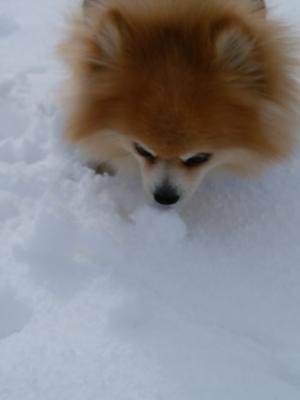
(103, 296)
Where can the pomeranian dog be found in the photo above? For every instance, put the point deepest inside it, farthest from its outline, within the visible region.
(179, 88)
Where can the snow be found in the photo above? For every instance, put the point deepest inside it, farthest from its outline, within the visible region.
(104, 297)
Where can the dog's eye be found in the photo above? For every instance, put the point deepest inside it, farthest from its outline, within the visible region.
(197, 160)
(143, 152)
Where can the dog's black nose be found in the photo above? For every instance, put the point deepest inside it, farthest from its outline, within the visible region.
(166, 195)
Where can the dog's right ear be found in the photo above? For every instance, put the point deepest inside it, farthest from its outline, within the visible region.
(88, 3)
(113, 33)
(110, 29)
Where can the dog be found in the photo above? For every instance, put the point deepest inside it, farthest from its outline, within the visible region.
(175, 89)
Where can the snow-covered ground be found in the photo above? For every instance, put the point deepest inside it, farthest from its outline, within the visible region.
(103, 297)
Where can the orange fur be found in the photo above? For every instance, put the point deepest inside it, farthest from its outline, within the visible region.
(179, 77)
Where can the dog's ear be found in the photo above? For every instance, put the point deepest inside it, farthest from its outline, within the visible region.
(259, 6)
(111, 31)
(88, 4)
(236, 51)
(234, 47)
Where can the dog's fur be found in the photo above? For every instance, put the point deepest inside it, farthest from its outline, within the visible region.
(180, 78)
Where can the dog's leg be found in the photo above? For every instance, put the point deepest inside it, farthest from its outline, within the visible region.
(105, 168)
(101, 168)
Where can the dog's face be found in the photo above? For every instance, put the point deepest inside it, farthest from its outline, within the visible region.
(187, 91)
(168, 181)
(171, 180)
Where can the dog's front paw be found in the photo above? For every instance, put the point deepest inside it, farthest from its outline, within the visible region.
(104, 168)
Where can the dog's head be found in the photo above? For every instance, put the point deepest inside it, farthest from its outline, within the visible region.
(187, 86)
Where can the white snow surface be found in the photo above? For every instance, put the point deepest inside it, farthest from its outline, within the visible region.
(104, 297)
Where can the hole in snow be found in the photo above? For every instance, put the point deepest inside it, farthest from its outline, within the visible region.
(14, 315)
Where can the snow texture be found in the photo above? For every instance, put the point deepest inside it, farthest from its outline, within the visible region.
(104, 297)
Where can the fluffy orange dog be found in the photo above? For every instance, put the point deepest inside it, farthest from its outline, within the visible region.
(180, 88)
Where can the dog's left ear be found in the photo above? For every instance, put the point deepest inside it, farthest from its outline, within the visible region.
(259, 6)
(236, 52)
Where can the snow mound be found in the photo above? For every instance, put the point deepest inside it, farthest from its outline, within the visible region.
(103, 296)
